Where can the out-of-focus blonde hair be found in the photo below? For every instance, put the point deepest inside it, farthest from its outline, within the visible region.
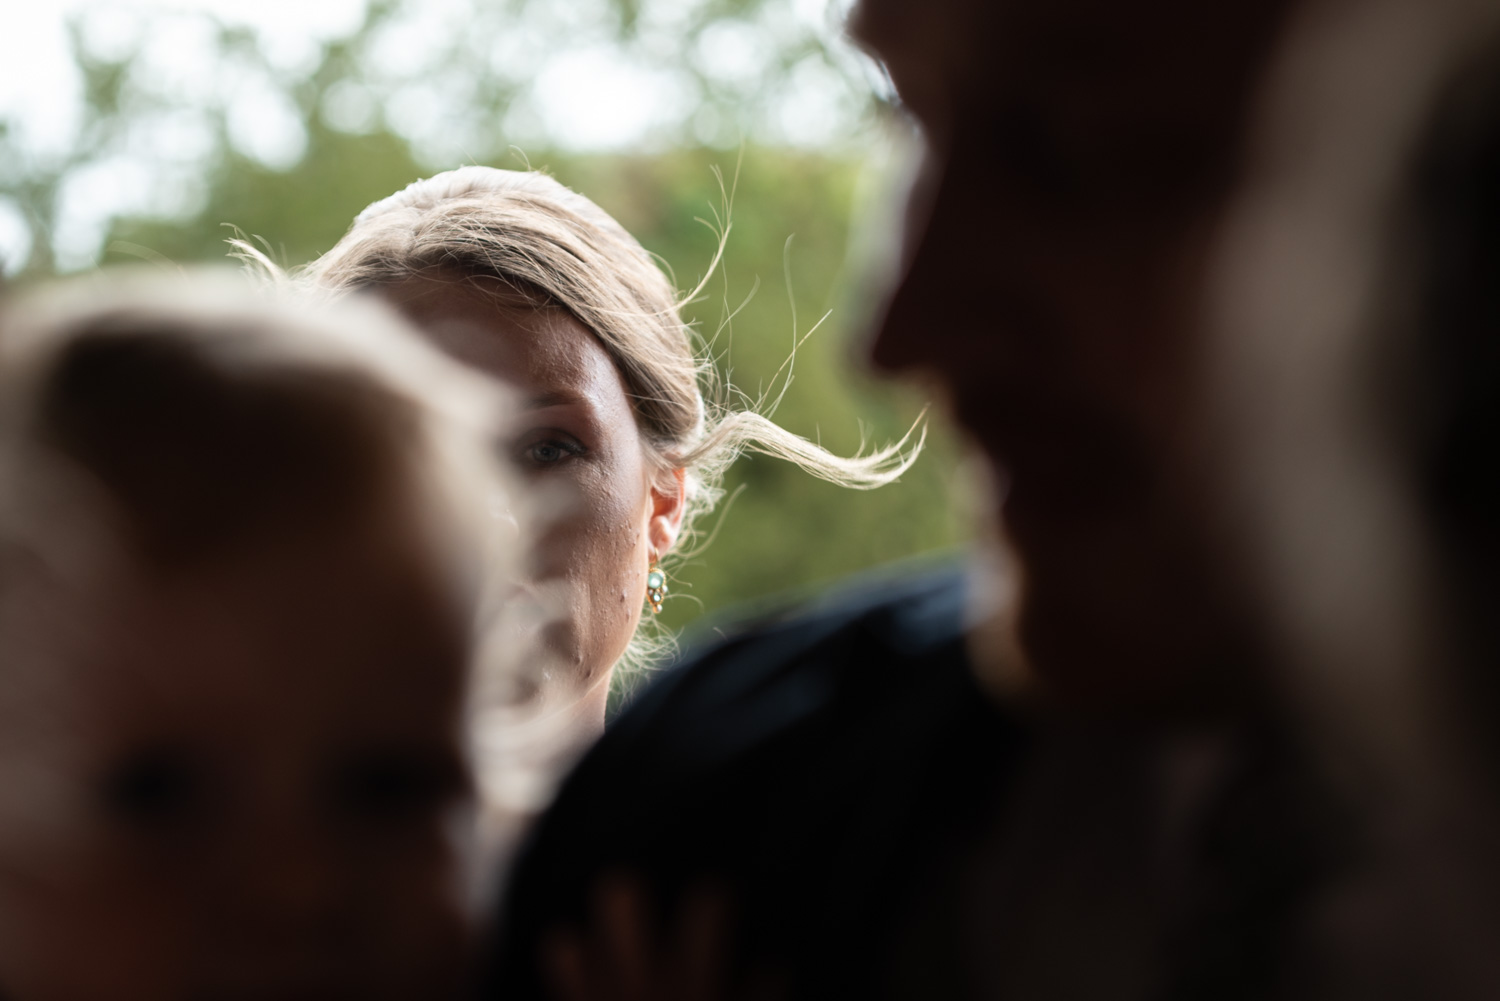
(194, 414)
(158, 426)
(527, 234)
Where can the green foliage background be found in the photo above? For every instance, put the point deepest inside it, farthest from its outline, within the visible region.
(785, 531)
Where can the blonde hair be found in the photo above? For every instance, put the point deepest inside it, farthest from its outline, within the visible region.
(551, 245)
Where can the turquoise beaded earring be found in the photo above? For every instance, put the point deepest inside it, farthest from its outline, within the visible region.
(656, 586)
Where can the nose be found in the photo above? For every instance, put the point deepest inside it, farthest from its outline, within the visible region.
(285, 877)
(298, 877)
(916, 328)
(908, 335)
(890, 349)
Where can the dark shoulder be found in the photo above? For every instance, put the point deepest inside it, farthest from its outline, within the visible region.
(792, 757)
(871, 640)
(877, 667)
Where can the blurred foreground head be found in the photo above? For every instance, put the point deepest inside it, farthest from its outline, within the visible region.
(1079, 155)
(235, 603)
(1360, 347)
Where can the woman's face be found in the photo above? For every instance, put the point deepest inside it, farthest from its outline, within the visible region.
(607, 508)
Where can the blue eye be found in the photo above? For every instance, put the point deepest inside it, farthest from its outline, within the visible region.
(549, 451)
(546, 453)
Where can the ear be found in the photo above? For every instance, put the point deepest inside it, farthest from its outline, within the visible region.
(668, 505)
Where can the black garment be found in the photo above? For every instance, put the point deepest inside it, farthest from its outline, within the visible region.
(818, 767)
(886, 830)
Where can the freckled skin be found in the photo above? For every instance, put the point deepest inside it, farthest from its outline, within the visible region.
(607, 507)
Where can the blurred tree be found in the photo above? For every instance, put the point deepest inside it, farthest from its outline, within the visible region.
(167, 100)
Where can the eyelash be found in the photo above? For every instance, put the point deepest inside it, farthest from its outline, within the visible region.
(566, 446)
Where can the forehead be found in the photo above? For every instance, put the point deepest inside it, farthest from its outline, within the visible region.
(540, 350)
(1156, 57)
(323, 640)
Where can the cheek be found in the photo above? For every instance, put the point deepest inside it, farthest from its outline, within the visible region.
(94, 929)
(589, 568)
(600, 534)
(612, 553)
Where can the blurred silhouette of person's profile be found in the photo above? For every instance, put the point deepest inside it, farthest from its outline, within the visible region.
(237, 576)
(910, 789)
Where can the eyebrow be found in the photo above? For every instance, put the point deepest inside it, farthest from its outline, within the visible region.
(553, 398)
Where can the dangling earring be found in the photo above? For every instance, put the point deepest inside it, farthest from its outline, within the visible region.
(656, 586)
